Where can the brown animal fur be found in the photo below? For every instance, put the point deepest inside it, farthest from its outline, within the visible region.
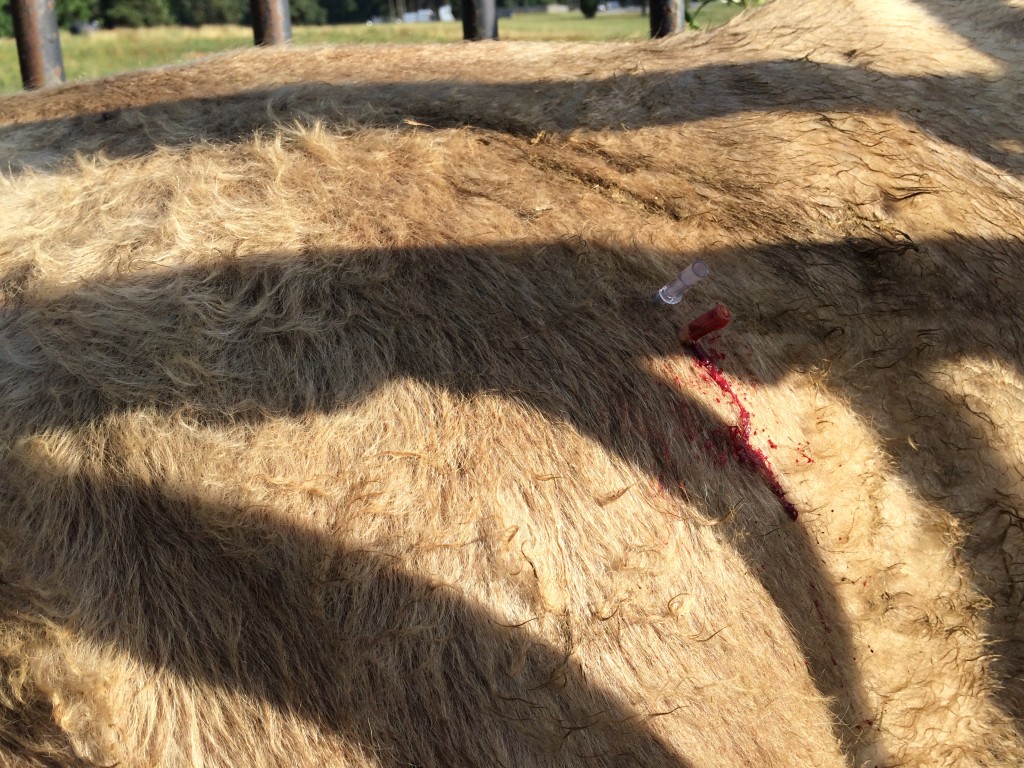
(335, 428)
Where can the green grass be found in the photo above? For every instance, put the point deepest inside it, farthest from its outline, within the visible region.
(109, 52)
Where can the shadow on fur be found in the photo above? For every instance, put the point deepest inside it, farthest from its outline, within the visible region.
(242, 340)
(239, 340)
(129, 122)
(227, 598)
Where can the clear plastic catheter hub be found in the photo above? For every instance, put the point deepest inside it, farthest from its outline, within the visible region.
(672, 293)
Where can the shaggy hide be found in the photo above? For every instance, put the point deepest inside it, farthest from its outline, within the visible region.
(337, 426)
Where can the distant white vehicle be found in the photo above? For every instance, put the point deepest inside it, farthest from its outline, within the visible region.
(416, 17)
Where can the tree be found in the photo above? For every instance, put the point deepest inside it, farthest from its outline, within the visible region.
(134, 13)
(195, 13)
(307, 12)
(589, 8)
(345, 11)
(6, 20)
(70, 11)
(666, 17)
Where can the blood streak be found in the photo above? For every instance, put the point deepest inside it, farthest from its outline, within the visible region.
(739, 435)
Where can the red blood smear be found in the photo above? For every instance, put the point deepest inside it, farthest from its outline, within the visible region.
(742, 449)
(821, 618)
(713, 320)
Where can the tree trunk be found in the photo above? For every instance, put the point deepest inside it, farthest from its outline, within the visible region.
(271, 21)
(666, 18)
(479, 20)
(35, 27)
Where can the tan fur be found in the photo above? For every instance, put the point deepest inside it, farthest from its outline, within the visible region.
(336, 426)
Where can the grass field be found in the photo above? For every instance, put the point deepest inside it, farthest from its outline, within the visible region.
(108, 52)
